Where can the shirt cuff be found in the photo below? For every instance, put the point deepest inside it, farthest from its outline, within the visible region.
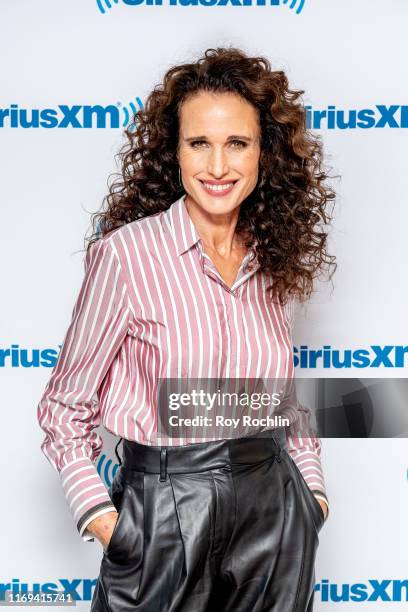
(86, 535)
(85, 492)
(309, 465)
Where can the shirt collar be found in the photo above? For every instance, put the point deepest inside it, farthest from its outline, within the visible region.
(184, 232)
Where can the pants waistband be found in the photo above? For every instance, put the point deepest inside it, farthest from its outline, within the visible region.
(199, 457)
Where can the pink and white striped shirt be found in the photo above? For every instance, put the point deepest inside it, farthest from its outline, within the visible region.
(153, 305)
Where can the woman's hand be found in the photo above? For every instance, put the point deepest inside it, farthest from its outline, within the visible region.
(324, 507)
(102, 527)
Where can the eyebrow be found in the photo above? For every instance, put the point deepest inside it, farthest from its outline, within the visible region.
(232, 137)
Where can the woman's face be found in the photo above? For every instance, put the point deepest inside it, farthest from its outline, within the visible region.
(219, 149)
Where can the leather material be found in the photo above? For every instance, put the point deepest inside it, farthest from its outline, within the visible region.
(232, 527)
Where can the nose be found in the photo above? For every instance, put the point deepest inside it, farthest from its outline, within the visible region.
(217, 162)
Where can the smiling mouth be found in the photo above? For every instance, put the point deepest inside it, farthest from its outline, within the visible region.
(218, 187)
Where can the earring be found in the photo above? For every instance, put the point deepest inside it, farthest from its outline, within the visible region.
(179, 178)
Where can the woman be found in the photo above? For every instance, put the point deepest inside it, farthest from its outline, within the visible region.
(213, 230)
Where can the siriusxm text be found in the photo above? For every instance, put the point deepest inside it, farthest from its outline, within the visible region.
(98, 116)
(305, 357)
(372, 590)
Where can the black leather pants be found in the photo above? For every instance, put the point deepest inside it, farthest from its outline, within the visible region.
(220, 526)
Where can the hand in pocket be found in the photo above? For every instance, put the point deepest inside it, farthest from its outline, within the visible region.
(102, 527)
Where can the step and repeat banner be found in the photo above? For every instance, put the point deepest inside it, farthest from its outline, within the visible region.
(62, 60)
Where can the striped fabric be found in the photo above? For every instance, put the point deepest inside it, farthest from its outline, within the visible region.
(152, 305)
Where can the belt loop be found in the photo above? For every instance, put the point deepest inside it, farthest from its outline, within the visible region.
(116, 452)
(163, 464)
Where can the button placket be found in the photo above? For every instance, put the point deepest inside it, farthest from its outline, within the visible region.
(232, 331)
(209, 268)
(241, 331)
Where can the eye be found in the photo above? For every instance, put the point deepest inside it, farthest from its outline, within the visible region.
(238, 144)
(197, 143)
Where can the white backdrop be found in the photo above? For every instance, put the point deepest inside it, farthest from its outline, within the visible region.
(81, 52)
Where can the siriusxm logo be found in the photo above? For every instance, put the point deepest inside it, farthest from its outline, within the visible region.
(295, 5)
(17, 357)
(106, 469)
(64, 116)
(118, 115)
(372, 590)
(381, 116)
(375, 356)
(79, 589)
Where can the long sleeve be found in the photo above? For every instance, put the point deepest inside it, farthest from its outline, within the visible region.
(304, 446)
(68, 411)
(303, 443)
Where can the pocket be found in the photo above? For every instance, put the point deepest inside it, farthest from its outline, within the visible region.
(314, 508)
(117, 493)
(317, 507)
(126, 543)
(113, 535)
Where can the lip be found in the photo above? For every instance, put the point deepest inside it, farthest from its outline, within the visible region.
(218, 194)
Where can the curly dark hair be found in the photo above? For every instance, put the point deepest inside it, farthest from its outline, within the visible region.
(287, 211)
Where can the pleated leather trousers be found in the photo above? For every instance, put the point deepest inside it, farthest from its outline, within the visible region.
(219, 526)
